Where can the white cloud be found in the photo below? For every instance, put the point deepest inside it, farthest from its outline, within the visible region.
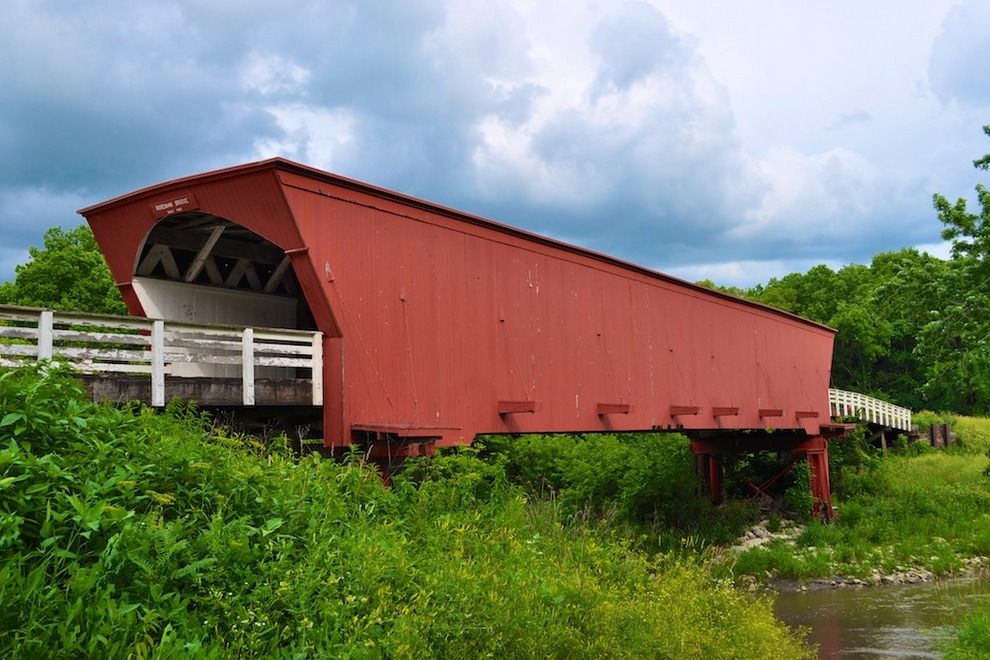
(273, 74)
(321, 137)
(739, 136)
(960, 67)
(746, 273)
(940, 250)
(820, 192)
(646, 130)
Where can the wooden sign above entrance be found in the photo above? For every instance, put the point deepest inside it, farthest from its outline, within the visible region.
(174, 204)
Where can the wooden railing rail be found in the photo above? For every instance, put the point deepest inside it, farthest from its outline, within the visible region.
(104, 343)
(868, 409)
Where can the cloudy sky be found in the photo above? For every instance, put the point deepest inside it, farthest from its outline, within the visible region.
(722, 139)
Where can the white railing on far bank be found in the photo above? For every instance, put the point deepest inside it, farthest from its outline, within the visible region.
(868, 409)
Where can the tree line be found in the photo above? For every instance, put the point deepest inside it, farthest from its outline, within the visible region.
(913, 329)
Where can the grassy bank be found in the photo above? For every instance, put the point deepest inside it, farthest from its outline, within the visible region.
(972, 638)
(916, 509)
(129, 533)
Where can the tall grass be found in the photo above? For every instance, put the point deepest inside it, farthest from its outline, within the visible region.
(643, 485)
(972, 637)
(972, 432)
(928, 509)
(129, 533)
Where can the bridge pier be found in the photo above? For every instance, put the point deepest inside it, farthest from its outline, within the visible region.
(709, 466)
(821, 485)
(710, 452)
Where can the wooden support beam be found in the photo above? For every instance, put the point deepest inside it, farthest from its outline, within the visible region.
(514, 407)
(725, 411)
(612, 409)
(228, 248)
(277, 275)
(771, 412)
(150, 260)
(677, 411)
(213, 272)
(236, 273)
(766, 485)
(168, 263)
(200, 259)
(251, 275)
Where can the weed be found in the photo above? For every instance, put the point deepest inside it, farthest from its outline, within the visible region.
(972, 637)
(797, 497)
(129, 533)
(644, 484)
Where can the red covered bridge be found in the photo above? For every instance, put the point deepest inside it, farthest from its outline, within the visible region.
(439, 325)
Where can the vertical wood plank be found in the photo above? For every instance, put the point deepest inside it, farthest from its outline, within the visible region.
(247, 366)
(158, 363)
(317, 368)
(46, 322)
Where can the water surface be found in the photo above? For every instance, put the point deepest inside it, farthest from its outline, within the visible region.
(898, 621)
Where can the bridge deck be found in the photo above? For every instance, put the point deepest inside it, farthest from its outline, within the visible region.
(206, 392)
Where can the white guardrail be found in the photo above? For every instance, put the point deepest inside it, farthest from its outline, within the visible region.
(868, 409)
(104, 343)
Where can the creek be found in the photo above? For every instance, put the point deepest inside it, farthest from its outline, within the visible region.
(897, 621)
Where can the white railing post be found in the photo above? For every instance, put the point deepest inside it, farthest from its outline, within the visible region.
(247, 366)
(317, 368)
(158, 363)
(869, 409)
(46, 324)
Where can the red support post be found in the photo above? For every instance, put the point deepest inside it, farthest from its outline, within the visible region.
(715, 479)
(821, 488)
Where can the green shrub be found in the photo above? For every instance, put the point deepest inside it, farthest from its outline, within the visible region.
(972, 637)
(126, 533)
(853, 461)
(925, 419)
(973, 433)
(647, 477)
(647, 480)
(798, 497)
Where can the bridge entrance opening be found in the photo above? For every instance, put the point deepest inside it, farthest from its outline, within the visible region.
(200, 268)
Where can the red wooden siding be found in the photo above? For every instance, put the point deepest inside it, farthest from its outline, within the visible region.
(437, 320)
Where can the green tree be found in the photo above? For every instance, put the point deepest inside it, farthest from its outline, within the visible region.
(68, 273)
(955, 343)
(907, 294)
(969, 232)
